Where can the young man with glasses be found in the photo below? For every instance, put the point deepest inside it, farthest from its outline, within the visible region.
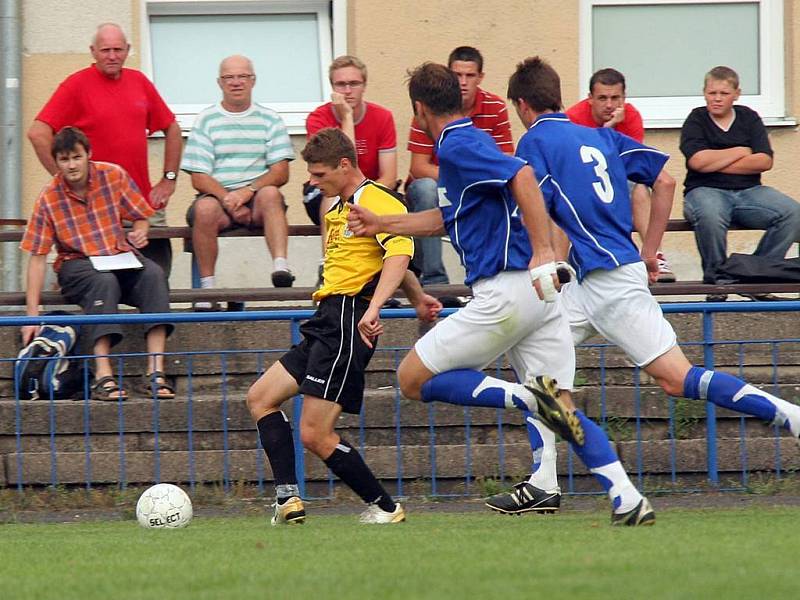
(238, 157)
(368, 125)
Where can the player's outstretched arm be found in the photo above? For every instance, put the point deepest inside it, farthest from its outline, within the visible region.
(394, 269)
(364, 222)
(537, 222)
(660, 209)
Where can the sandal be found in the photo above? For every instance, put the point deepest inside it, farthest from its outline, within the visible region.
(156, 386)
(105, 388)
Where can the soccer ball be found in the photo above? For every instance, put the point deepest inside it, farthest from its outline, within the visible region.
(164, 506)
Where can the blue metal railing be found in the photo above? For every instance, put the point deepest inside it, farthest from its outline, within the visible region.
(294, 317)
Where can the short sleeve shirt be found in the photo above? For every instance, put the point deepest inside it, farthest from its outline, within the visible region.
(478, 209)
(583, 174)
(631, 124)
(700, 132)
(375, 133)
(115, 114)
(489, 113)
(236, 148)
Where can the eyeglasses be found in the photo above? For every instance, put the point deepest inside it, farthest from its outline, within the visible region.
(343, 85)
(232, 78)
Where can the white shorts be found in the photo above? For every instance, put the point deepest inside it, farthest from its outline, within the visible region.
(618, 305)
(504, 316)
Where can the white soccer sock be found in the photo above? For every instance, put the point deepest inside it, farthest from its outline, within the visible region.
(545, 477)
(621, 486)
(207, 282)
(279, 263)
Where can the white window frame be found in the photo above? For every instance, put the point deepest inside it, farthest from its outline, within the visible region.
(332, 35)
(670, 112)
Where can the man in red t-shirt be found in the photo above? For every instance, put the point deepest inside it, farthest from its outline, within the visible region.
(116, 108)
(606, 107)
(369, 126)
(488, 112)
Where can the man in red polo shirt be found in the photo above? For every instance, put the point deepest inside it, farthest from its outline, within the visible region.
(116, 108)
(605, 106)
(81, 211)
(488, 112)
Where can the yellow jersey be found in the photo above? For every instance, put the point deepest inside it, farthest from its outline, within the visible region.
(353, 264)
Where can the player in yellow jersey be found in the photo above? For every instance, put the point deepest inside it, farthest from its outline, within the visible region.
(328, 366)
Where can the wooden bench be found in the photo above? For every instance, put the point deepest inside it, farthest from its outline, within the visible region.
(303, 294)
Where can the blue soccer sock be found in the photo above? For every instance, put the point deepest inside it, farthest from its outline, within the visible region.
(543, 445)
(731, 392)
(467, 387)
(601, 460)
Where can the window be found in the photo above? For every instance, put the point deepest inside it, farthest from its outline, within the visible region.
(291, 44)
(665, 47)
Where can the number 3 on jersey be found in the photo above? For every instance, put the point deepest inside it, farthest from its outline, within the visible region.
(603, 188)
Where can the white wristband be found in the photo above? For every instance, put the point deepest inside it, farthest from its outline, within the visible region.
(544, 273)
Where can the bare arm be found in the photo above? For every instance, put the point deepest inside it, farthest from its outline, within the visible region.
(393, 272)
(752, 164)
(206, 184)
(422, 166)
(364, 222)
(41, 136)
(173, 144)
(660, 208)
(33, 293)
(534, 215)
(277, 175)
(711, 161)
(427, 307)
(387, 168)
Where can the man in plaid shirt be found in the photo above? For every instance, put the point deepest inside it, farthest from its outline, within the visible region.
(81, 211)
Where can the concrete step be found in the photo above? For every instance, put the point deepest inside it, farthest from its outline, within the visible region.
(452, 461)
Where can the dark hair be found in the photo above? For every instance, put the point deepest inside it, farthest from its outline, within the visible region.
(66, 140)
(607, 77)
(436, 87)
(328, 146)
(537, 83)
(466, 54)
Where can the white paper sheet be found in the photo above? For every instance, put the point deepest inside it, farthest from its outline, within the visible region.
(117, 262)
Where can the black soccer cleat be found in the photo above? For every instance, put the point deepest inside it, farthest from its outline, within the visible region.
(552, 411)
(642, 515)
(526, 498)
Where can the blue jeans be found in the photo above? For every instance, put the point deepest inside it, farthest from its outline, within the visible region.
(422, 194)
(712, 211)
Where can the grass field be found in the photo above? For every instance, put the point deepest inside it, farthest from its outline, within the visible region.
(733, 553)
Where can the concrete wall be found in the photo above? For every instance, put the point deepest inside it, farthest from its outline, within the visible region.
(390, 38)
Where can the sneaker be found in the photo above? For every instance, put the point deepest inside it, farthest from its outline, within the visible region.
(205, 306)
(643, 514)
(375, 515)
(282, 278)
(716, 297)
(391, 303)
(451, 301)
(665, 274)
(526, 498)
(291, 512)
(235, 306)
(551, 410)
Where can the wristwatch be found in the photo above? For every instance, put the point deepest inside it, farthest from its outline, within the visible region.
(251, 188)
(170, 175)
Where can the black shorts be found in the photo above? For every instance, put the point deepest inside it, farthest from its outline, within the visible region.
(331, 360)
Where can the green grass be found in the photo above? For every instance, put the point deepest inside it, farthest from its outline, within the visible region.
(741, 553)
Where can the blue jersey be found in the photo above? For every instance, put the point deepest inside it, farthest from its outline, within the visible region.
(583, 173)
(479, 212)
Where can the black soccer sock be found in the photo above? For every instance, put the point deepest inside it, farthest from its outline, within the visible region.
(347, 464)
(276, 439)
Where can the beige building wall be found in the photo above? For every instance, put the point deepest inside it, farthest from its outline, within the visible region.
(390, 37)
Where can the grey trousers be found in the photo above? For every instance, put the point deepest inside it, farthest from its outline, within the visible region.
(100, 293)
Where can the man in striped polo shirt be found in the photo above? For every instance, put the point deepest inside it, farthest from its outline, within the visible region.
(238, 156)
(488, 112)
